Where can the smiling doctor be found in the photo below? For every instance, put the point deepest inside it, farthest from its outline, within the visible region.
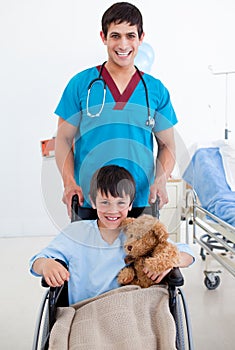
(110, 114)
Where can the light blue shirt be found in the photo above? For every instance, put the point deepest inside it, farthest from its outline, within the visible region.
(93, 263)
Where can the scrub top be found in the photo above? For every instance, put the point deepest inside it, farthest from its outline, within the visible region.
(119, 135)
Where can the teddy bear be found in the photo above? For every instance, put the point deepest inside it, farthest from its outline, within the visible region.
(146, 245)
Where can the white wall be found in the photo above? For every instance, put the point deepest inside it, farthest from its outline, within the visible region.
(43, 43)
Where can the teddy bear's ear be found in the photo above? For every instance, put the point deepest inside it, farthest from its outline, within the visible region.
(160, 231)
(126, 222)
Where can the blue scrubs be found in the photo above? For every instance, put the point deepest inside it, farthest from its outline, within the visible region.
(119, 135)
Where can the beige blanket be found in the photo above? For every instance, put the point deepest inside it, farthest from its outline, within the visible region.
(127, 318)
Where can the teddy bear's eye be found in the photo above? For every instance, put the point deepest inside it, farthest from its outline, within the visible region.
(131, 235)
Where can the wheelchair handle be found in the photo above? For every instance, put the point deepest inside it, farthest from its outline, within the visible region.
(74, 208)
(155, 208)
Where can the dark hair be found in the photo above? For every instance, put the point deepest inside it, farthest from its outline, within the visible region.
(122, 12)
(112, 179)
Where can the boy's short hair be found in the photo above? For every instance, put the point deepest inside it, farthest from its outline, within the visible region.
(122, 12)
(112, 179)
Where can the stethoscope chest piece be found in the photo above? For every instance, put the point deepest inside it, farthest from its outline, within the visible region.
(150, 122)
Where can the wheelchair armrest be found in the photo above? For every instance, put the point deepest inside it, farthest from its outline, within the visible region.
(43, 282)
(174, 278)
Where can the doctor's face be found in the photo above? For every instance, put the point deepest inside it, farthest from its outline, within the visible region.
(122, 43)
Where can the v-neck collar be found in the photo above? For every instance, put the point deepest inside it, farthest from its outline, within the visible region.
(118, 242)
(120, 99)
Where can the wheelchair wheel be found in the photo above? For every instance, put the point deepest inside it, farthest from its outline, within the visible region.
(45, 331)
(180, 328)
(184, 339)
(41, 334)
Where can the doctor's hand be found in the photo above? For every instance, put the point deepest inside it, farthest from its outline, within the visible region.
(69, 192)
(158, 190)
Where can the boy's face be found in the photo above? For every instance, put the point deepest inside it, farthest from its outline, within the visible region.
(111, 211)
(122, 43)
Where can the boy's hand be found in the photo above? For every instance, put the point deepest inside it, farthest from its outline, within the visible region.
(54, 273)
(154, 276)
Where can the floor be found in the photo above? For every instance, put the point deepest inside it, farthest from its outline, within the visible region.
(212, 312)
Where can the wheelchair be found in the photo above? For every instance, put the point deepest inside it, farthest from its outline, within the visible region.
(55, 297)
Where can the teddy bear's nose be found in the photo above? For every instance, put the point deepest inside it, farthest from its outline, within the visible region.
(129, 247)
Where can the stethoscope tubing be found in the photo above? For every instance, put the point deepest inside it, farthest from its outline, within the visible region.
(149, 122)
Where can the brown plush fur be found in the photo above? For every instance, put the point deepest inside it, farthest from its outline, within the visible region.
(146, 246)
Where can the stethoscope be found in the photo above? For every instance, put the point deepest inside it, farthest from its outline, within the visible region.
(149, 122)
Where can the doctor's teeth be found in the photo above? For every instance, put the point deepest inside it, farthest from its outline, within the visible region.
(123, 53)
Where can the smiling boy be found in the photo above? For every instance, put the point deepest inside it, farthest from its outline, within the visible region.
(93, 249)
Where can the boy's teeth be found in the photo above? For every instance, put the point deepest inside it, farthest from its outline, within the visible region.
(111, 219)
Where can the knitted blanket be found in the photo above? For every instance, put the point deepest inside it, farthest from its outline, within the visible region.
(127, 318)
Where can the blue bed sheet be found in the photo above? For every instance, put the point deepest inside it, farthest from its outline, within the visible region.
(206, 175)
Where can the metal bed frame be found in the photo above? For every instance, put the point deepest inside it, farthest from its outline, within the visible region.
(218, 239)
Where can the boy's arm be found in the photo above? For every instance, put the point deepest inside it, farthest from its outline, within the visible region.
(186, 260)
(54, 273)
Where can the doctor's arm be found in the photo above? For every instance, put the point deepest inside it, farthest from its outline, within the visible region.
(165, 163)
(65, 161)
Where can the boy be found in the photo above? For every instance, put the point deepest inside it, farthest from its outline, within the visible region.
(93, 249)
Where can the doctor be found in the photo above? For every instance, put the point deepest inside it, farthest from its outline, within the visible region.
(110, 114)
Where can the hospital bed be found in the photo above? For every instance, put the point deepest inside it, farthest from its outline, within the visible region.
(210, 208)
